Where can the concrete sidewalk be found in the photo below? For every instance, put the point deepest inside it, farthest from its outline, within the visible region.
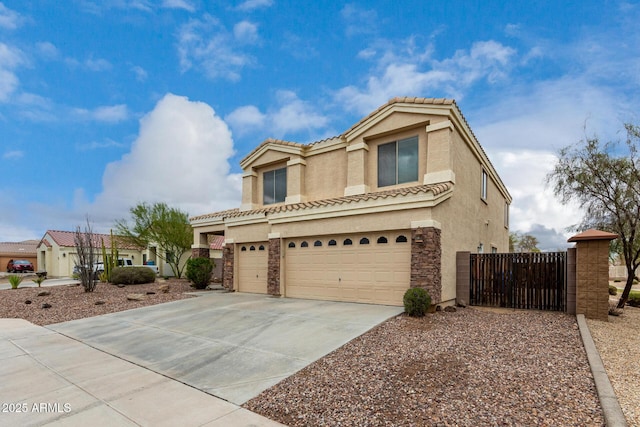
(50, 379)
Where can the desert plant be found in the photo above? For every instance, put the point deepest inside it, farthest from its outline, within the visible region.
(86, 255)
(38, 280)
(110, 261)
(104, 277)
(15, 281)
(634, 300)
(613, 290)
(416, 302)
(132, 275)
(199, 271)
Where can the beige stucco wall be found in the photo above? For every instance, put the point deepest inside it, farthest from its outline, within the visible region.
(466, 219)
(326, 175)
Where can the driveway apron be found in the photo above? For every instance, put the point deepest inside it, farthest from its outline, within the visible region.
(230, 345)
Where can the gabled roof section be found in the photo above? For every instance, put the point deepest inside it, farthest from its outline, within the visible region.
(217, 242)
(66, 239)
(388, 108)
(435, 189)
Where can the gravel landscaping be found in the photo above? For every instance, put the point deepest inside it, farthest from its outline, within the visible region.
(474, 367)
(72, 302)
(618, 342)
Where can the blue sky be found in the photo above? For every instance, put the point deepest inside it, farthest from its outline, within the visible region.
(104, 104)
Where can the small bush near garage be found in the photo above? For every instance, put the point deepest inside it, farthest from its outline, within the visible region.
(199, 271)
(416, 302)
(613, 290)
(132, 275)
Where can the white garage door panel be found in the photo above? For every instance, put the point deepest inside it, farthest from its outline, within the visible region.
(372, 273)
(253, 267)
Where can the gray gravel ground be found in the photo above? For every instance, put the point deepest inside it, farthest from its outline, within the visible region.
(474, 367)
(618, 342)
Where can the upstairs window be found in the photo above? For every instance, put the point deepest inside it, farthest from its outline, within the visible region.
(274, 186)
(398, 162)
(483, 190)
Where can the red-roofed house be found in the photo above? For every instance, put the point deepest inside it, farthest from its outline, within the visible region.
(365, 215)
(57, 253)
(18, 250)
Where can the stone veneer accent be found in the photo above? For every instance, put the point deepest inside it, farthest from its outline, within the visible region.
(426, 266)
(227, 267)
(273, 274)
(199, 252)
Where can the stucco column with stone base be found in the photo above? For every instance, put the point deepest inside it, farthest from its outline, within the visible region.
(426, 258)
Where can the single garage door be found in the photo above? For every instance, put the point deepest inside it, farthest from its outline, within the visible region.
(368, 268)
(252, 267)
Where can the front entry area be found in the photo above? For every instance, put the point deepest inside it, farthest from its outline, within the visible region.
(370, 268)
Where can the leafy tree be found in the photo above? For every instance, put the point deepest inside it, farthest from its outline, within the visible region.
(604, 178)
(159, 224)
(523, 243)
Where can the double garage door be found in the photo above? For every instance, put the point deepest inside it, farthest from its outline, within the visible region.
(368, 268)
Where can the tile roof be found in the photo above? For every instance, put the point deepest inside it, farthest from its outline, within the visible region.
(593, 234)
(217, 242)
(66, 238)
(28, 247)
(435, 189)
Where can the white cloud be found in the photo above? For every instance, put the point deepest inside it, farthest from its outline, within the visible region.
(141, 73)
(13, 155)
(250, 5)
(10, 58)
(181, 157)
(9, 19)
(179, 4)
(359, 21)
(207, 45)
(246, 32)
(48, 50)
(408, 68)
(109, 114)
(94, 145)
(97, 64)
(290, 116)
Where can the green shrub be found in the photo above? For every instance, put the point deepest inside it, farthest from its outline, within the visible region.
(613, 290)
(38, 280)
(132, 275)
(416, 302)
(617, 280)
(15, 281)
(199, 272)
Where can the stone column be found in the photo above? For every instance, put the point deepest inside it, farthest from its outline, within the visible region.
(426, 258)
(227, 265)
(592, 273)
(273, 274)
(200, 247)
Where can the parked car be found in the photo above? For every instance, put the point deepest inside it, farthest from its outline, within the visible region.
(19, 265)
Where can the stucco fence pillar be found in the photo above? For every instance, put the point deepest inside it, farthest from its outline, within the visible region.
(273, 272)
(426, 258)
(592, 273)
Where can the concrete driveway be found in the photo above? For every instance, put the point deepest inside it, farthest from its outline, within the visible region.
(229, 345)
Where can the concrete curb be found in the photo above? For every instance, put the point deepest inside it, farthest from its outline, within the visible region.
(613, 415)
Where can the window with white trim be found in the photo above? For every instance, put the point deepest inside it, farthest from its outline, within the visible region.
(483, 191)
(398, 162)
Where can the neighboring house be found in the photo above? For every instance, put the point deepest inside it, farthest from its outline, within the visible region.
(365, 215)
(57, 252)
(18, 250)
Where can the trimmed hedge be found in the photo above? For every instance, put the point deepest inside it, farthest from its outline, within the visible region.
(613, 290)
(416, 302)
(199, 271)
(132, 275)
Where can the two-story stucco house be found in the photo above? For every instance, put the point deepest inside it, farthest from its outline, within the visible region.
(365, 215)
